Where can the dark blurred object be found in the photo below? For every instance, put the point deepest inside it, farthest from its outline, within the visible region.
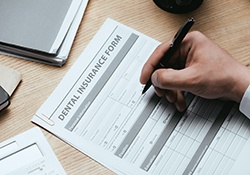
(178, 6)
(4, 99)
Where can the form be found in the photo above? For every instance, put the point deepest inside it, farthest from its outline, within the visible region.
(98, 108)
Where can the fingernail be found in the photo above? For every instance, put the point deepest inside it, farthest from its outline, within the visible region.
(180, 107)
(170, 98)
(154, 78)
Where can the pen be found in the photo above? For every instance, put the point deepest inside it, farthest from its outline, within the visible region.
(173, 47)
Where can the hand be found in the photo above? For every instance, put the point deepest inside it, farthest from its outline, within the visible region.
(199, 66)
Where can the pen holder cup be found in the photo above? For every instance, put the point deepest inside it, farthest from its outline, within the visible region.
(178, 6)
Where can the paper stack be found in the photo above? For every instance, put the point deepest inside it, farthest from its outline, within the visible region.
(41, 30)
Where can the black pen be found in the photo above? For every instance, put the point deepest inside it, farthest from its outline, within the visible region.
(173, 47)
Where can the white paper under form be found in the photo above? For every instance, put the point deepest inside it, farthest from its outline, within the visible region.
(98, 108)
(29, 153)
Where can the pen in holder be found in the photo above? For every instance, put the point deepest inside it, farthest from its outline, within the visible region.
(178, 6)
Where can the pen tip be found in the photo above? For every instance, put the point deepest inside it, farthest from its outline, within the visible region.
(143, 92)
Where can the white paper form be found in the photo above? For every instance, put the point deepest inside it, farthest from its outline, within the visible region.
(29, 153)
(99, 109)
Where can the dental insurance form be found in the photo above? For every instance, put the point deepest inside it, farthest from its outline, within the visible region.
(98, 108)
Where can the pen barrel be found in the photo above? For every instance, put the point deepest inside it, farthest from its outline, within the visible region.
(179, 36)
(168, 55)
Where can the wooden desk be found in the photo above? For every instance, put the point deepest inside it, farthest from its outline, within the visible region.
(224, 21)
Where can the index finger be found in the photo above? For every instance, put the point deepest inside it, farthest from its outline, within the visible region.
(153, 60)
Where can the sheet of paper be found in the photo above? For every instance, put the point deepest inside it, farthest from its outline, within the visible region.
(29, 153)
(98, 108)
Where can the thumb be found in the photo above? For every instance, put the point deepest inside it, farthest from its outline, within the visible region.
(172, 79)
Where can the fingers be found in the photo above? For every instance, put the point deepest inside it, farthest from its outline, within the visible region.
(177, 61)
(175, 79)
(175, 97)
(180, 102)
(153, 60)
